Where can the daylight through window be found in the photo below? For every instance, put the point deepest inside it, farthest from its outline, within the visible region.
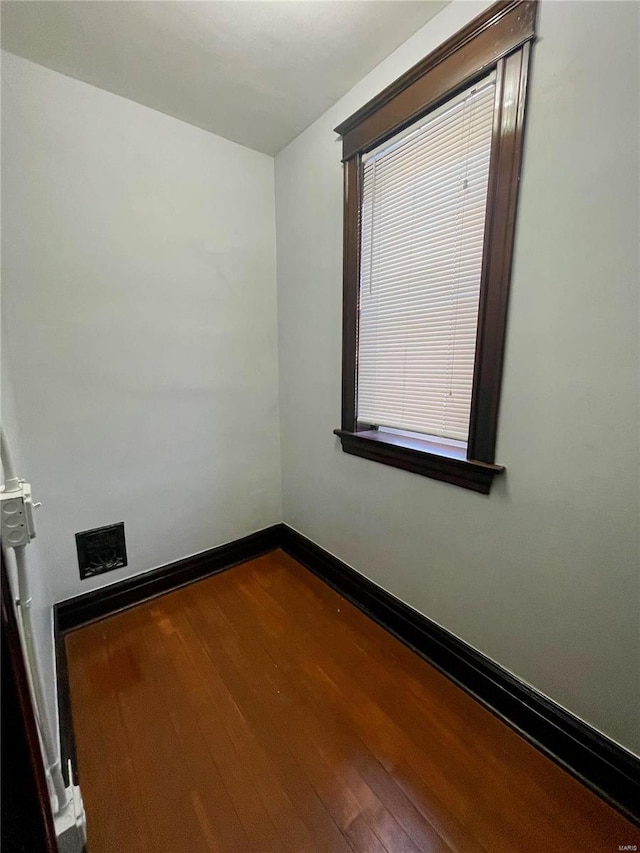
(424, 198)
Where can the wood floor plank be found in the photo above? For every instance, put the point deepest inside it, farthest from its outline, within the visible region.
(250, 692)
(312, 713)
(105, 763)
(243, 761)
(389, 704)
(343, 801)
(161, 750)
(219, 819)
(317, 699)
(259, 712)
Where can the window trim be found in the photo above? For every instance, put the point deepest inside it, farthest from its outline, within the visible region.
(500, 40)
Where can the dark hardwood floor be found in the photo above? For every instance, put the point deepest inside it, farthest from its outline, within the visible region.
(257, 710)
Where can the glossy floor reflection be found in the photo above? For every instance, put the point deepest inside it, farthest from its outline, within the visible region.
(259, 711)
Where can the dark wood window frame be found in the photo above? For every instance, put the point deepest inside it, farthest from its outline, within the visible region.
(498, 40)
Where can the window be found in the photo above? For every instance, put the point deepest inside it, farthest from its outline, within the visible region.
(431, 176)
(424, 197)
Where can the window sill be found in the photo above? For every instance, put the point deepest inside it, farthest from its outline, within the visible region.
(425, 457)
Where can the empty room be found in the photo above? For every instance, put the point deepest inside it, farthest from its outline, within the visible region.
(320, 420)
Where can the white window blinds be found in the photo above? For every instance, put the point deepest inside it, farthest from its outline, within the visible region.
(422, 227)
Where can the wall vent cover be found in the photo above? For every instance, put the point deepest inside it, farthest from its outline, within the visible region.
(101, 550)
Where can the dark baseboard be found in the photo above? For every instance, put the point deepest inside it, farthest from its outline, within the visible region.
(65, 720)
(78, 611)
(599, 763)
(99, 603)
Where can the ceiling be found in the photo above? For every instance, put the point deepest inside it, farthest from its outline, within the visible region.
(254, 71)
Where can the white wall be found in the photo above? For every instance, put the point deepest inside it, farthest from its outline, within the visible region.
(542, 575)
(139, 309)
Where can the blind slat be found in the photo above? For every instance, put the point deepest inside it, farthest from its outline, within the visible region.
(422, 229)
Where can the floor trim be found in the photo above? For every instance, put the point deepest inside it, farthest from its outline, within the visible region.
(595, 760)
(65, 720)
(105, 601)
